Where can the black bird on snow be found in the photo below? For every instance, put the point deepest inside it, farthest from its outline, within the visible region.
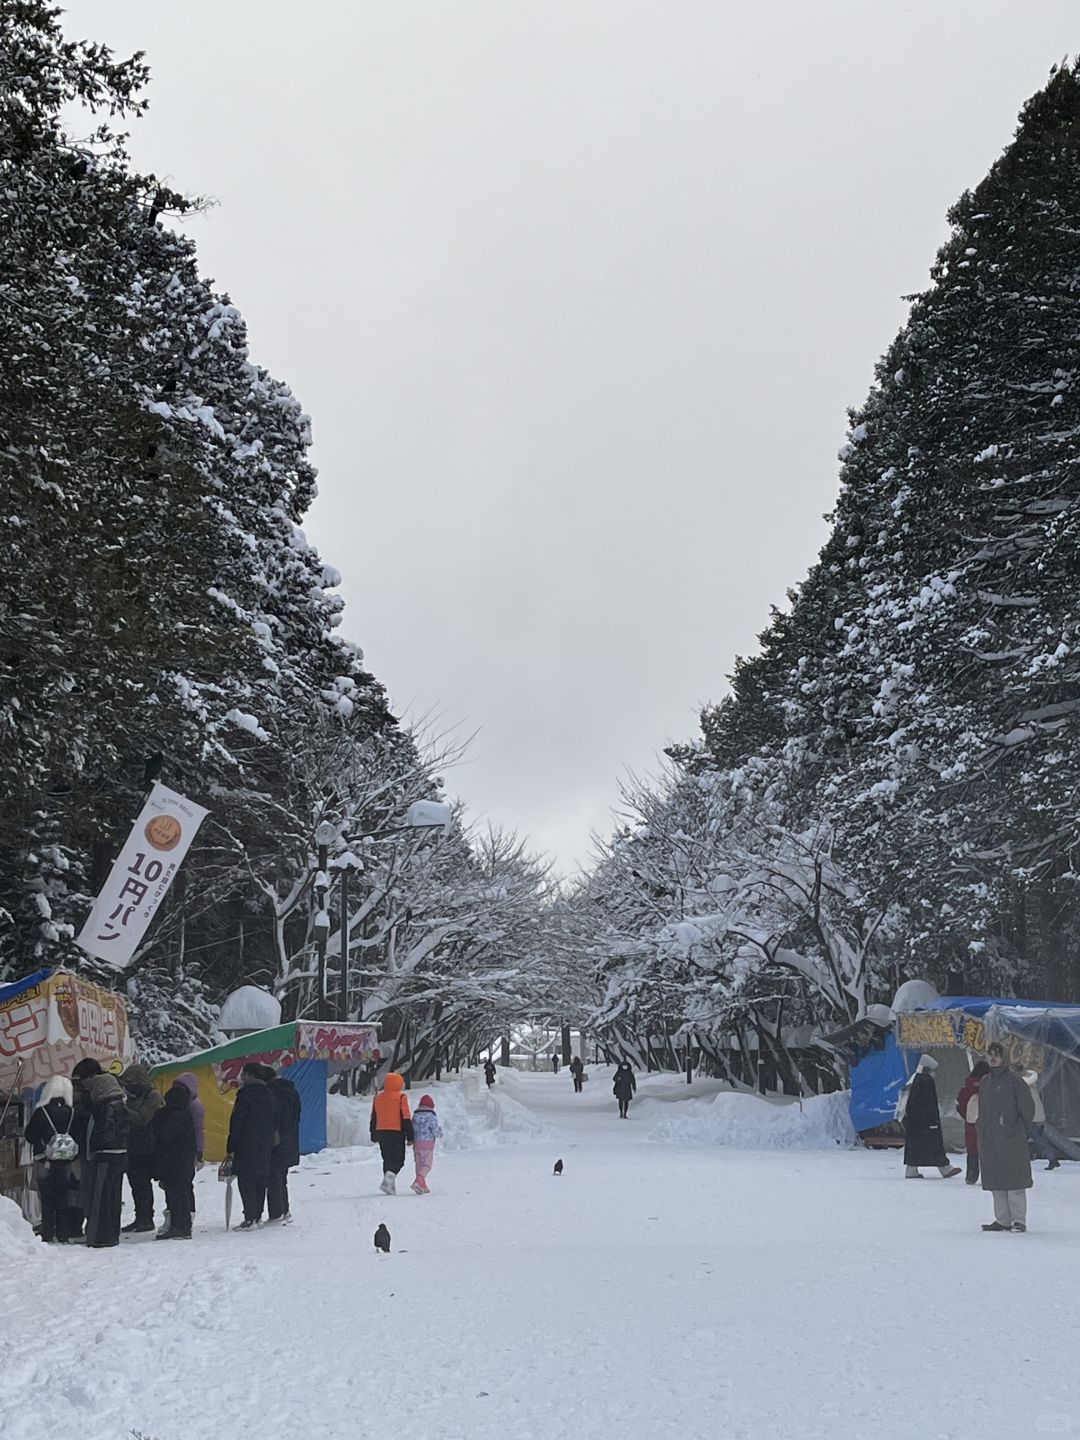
(558, 1167)
(382, 1239)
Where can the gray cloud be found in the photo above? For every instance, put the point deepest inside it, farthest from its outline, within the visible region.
(577, 294)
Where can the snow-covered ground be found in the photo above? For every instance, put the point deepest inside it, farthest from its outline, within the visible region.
(657, 1288)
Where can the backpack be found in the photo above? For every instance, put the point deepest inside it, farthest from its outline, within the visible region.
(62, 1147)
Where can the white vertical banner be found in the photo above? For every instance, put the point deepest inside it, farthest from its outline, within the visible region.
(140, 876)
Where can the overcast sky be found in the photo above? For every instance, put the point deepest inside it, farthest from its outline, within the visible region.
(577, 293)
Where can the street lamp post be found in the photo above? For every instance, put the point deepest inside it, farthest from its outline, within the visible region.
(345, 865)
(325, 835)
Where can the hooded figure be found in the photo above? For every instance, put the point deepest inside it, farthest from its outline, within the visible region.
(577, 1070)
(922, 1124)
(1006, 1111)
(106, 1155)
(624, 1087)
(489, 1072)
(173, 1159)
(79, 1126)
(286, 1151)
(251, 1139)
(198, 1112)
(53, 1117)
(391, 1128)
(426, 1131)
(143, 1103)
(968, 1091)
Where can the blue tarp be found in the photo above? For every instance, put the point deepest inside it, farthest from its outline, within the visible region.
(876, 1083)
(310, 1079)
(16, 988)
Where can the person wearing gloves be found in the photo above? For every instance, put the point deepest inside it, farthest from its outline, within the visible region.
(391, 1128)
(1006, 1110)
(143, 1103)
(50, 1120)
(922, 1125)
(426, 1130)
(106, 1155)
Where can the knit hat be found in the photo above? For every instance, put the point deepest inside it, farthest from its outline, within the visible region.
(927, 1062)
(426, 1103)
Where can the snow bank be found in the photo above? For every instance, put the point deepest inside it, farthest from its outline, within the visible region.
(506, 1121)
(750, 1123)
(17, 1238)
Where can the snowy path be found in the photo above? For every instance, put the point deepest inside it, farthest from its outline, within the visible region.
(650, 1291)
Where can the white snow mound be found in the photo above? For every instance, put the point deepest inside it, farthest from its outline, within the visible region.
(17, 1238)
(750, 1123)
(250, 1008)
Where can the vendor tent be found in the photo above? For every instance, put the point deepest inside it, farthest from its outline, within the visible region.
(49, 1021)
(955, 1030)
(305, 1052)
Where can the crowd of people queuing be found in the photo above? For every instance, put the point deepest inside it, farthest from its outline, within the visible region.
(90, 1130)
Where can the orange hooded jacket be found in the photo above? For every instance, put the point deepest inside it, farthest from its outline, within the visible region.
(390, 1108)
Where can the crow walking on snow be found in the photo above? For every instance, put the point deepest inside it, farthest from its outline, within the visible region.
(382, 1239)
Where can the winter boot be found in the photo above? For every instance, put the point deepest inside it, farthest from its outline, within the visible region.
(387, 1186)
(137, 1227)
(995, 1226)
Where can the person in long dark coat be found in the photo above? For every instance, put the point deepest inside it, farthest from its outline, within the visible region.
(173, 1159)
(922, 1125)
(577, 1070)
(251, 1140)
(80, 1123)
(623, 1087)
(286, 1151)
(143, 1103)
(1006, 1110)
(52, 1117)
(106, 1155)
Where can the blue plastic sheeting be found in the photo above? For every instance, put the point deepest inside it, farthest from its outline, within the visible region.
(310, 1079)
(1056, 1027)
(978, 1005)
(16, 988)
(876, 1083)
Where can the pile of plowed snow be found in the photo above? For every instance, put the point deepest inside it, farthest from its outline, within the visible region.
(17, 1238)
(751, 1123)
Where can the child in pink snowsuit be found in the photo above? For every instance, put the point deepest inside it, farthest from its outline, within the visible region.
(426, 1130)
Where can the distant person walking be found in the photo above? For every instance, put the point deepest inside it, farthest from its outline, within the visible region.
(554, 1064)
(1006, 1112)
(489, 1072)
(251, 1139)
(624, 1087)
(922, 1125)
(426, 1131)
(391, 1128)
(577, 1070)
(967, 1107)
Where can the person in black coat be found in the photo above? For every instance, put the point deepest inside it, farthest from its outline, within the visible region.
(623, 1087)
(173, 1163)
(251, 1141)
(106, 1156)
(53, 1116)
(286, 1151)
(83, 1072)
(922, 1125)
